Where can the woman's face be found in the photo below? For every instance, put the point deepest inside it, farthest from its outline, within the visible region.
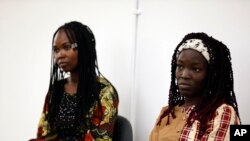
(65, 55)
(191, 72)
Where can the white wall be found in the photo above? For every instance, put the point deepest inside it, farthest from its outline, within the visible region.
(26, 29)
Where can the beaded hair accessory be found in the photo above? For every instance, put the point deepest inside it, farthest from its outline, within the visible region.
(195, 44)
(74, 45)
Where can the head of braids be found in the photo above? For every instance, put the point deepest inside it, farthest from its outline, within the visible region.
(88, 88)
(219, 87)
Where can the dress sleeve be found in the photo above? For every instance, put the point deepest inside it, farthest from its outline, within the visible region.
(102, 128)
(218, 128)
(43, 131)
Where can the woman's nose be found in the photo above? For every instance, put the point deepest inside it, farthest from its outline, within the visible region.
(60, 53)
(185, 73)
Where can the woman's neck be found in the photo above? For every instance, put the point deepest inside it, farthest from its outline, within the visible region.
(190, 101)
(74, 78)
(72, 83)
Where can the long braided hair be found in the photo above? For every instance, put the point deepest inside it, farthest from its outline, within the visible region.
(219, 87)
(87, 90)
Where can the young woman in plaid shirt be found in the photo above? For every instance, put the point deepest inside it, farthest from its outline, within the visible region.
(202, 103)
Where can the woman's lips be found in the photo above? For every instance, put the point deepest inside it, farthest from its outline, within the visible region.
(184, 86)
(62, 64)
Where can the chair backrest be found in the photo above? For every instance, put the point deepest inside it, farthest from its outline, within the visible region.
(122, 130)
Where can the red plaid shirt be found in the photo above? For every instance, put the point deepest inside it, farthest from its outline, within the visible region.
(218, 127)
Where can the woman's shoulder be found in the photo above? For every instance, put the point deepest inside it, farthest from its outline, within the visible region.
(164, 108)
(102, 80)
(227, 111)
(176, 108)
(225, 114)
(225, 108)
(107, 88)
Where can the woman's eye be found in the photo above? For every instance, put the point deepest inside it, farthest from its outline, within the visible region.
(179, 66)
(197, 69)
(56, 50)
(67, 47)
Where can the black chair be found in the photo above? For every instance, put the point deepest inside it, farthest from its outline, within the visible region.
(122, 130)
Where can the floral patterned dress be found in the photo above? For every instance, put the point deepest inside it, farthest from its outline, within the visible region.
(93, 130)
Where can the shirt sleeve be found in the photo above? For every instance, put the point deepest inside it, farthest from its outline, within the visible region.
(218, 128)
(154, 133)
